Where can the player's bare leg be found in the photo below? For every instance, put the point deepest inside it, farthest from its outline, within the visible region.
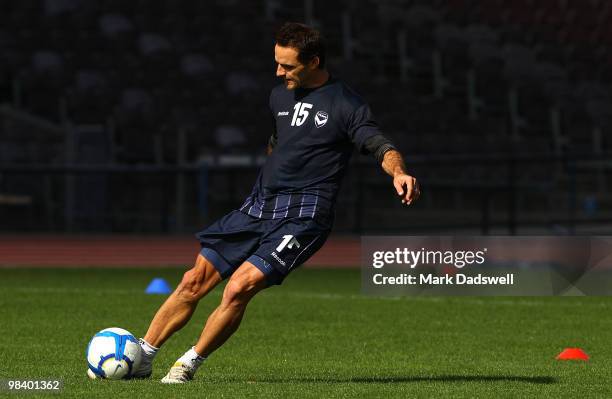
(246, 281)
(177, 310)
(180, 305)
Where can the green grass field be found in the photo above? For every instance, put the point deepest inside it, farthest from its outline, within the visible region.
(316, 336)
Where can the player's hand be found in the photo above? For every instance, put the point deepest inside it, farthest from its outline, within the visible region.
(407, 188)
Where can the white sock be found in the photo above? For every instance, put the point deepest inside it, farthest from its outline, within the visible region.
(148, 350)
(192, 359)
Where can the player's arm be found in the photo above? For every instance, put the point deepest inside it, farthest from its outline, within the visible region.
(365, 134)
(406, 186)
(274, 136)
(392, 163)
(272, 142)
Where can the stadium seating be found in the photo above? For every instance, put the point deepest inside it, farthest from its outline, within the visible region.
(91, 56)
(443, 77)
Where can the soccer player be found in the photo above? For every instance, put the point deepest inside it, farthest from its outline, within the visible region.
(290, 212)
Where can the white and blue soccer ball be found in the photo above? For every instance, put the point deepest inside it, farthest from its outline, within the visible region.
(113, 353)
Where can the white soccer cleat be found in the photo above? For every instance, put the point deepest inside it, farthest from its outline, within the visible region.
(144, 371)
(91, 374)
(145, 368)
(178, 374)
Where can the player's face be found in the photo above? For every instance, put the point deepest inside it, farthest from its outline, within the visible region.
(290, 68)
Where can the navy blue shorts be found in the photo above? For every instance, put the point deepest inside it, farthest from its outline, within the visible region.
(274, 246)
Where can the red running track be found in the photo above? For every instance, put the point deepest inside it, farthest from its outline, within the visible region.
(137, 251)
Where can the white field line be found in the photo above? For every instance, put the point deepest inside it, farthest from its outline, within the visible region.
(459, 300)
(65, 290)
(519, 301)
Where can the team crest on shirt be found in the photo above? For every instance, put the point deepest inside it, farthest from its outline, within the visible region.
(321, 118)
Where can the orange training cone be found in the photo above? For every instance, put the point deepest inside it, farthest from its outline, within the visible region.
(572, 354)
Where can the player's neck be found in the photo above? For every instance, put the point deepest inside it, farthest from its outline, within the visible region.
(319, 78)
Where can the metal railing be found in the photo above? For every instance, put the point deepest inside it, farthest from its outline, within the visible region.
(480, 193)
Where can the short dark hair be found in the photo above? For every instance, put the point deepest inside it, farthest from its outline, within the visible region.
(306, 40)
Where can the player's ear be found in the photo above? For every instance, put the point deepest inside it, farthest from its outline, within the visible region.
(314, 63)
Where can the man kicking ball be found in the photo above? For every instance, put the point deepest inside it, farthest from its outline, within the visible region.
(290, 212)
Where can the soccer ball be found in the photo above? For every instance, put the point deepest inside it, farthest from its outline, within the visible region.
(113, 353)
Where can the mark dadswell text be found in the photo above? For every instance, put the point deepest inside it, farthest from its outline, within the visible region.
(430, 279)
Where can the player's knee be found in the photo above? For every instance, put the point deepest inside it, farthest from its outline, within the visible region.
(239, 291)
(189, 287)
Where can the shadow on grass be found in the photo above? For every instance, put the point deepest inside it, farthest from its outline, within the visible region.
(408, 379)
